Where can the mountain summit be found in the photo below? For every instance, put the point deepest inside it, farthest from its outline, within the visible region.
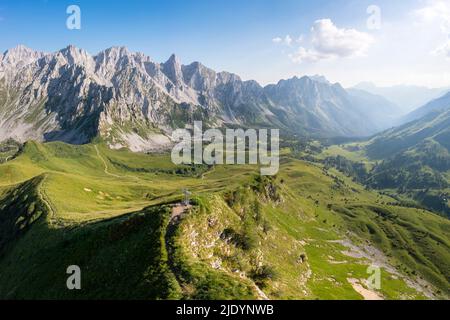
(131, 101)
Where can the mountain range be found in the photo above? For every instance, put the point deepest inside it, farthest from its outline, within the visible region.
(141, 227)
(437, 105)
(407, 98)
(131, 101)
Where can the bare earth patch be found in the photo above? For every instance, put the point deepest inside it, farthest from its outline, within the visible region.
(377, 257)
(366, 293)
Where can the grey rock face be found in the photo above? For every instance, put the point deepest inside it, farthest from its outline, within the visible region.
(132, 101)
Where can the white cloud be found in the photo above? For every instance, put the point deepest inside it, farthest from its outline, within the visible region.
(287, 40)
(277, 40)
(436, 14)
(306, 55)
(442, 50)
(437, 11)
(400, 52)
(328, 41)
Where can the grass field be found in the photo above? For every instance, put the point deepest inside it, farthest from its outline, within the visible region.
(293, 236)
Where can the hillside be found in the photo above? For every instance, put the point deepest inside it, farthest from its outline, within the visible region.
(410, 162)
(433, 126)
(309, 232)
(434, 106)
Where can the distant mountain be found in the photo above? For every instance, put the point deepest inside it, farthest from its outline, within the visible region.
(381, 111)
(436, 105)
(407, 98)
(319, 78)
(415, 160)
(433, 127)
(317, 107)
(131, 101)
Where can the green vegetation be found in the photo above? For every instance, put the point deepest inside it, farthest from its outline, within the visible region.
(8, 150)
(413, 239)
(245, 236)
(415, 177)
(21, 206)
(121, 258)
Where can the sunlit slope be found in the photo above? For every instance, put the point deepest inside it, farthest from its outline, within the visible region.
(307, 233)
(93, 182)
(411, 162)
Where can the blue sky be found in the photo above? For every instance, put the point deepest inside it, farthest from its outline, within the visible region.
(240, 36)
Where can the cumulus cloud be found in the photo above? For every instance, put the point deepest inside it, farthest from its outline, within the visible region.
(436, 11)
(306, 55)
(328, 41)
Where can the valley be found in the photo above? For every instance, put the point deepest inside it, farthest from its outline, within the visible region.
(87, 178)
(410, 162)
(305, 234)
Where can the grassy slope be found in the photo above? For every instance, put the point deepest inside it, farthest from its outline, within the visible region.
(97, 220)
(417, 176)
(302, 224)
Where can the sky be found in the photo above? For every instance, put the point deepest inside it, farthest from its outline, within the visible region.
(348, 41)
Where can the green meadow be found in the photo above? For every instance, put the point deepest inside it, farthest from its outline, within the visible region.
(303, 234)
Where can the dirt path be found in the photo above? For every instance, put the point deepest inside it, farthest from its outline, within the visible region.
(178, 210)
(177, 213)
(208, 172)
(15, 152)
(46, 200)
(106, 165)
(366, 293)
(112, 174)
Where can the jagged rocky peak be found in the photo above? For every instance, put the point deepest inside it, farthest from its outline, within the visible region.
(291, 83)
(20, 55)
(74, 55)
(114, 52)
(141, 57)
(319, 78)
(113, 60)
(174, 60)
(113, 57)
(116, 90)
(308, 84)
(228, 77)
(172, 69)
(199, 77)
